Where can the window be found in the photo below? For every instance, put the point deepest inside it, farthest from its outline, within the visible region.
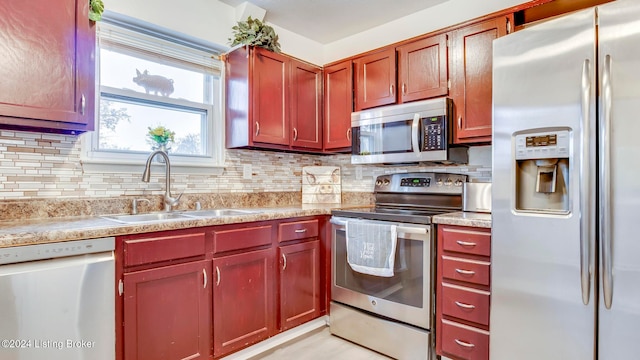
(146, 82)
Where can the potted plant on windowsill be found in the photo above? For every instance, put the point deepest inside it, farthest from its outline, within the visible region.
(160, 138)
(254, 32)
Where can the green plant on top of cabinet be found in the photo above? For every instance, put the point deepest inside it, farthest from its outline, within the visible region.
(338, 106)
(273, 101)
(471, 77)
(422, 69)
(48, 66)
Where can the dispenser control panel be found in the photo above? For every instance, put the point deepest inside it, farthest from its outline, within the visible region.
(552, 144)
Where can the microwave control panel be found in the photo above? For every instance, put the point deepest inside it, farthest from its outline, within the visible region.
(434, 132)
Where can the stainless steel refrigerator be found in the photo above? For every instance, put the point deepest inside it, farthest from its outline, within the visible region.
(566, 188)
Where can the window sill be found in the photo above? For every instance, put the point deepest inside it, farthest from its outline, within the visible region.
(120, 166)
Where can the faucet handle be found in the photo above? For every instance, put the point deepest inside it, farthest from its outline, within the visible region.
(171, 201)
(134, 205)
(198, 205)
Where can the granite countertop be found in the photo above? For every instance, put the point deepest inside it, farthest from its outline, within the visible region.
(30, 232)
(460, 218)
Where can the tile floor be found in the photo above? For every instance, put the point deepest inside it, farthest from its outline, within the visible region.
(320, 345)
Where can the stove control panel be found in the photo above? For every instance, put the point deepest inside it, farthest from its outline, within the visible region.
(415, 182)
(421, 183)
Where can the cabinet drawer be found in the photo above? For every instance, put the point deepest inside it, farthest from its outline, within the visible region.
(163, 248)
(297, 230)
(475, 272)
(466, 241)
(470, 305)
(464, 341)
(243, 238)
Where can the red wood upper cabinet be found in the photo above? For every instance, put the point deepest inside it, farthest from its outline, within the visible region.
(306, 105)
(338, 106)
(422, 69)
(299, 283)
(375, 79)
(471, 77)
(269, 97)
(244, 308)
(167, 312)
(47, 66)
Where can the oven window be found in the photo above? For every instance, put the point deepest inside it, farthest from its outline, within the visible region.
(405, 287)
(387, 138)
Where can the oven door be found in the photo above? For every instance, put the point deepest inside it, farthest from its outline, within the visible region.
(404, 297)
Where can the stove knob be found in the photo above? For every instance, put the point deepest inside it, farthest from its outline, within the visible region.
(448, 182)
(458, 183)
(439, 182)
(385, 182)
(378, 182)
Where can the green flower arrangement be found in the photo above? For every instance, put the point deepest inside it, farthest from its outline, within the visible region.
(160, 137)
(96, 8)
(254, 32)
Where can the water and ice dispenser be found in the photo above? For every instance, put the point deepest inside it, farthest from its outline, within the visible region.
(542, 171)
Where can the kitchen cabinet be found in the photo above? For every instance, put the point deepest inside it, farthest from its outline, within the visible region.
(166, 292)
(463, 280)
(244, 309)
(299, 273)
(375, 76)
(471, 77)
(422, 69)
(48, 66)
(273, 101)
(338, 106)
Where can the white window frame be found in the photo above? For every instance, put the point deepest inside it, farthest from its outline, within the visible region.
(93, 159)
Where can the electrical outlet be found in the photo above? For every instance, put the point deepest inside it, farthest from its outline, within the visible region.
(246, 171)
(358, 172)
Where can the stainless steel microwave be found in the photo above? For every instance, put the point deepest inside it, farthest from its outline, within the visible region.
(407, 133)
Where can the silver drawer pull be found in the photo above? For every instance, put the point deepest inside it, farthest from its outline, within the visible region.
(465, 306)
(465, 272)
(464, 343)
(465, 243)
(299, 231)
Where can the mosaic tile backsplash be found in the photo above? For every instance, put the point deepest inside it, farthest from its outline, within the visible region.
(48, 166)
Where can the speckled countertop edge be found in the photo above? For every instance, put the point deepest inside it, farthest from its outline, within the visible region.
(464, 219)
(31, 232)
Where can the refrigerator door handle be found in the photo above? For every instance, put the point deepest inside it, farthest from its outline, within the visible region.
(605, 185)
(585, 203)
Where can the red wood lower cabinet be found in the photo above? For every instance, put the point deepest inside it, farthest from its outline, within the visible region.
(168, 312)
(299, 283)
(244, 310)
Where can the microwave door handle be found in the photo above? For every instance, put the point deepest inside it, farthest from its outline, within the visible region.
(414, 133)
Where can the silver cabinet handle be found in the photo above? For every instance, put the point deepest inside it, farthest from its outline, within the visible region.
(464, 306)
(218, 276)
(459, 122)
(464, 343)
(404, 88)
(465, 243)
(300, 231)
(257, 128)
(391, 89)
(83, 104)
(349, 134)
(284, 262)
(120, 287)
(605, 185)
(204, 273)
(465, 272)
(585, 184)
(508, 26)
(295, 134)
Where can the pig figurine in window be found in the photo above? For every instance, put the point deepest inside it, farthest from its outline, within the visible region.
(159, 85)
(321, 184)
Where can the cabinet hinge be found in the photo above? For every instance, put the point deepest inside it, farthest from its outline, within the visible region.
(120, 287)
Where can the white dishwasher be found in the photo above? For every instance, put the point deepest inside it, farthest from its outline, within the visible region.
(57, 301)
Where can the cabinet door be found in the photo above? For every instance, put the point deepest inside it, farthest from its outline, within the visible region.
(299, 283)
(471, 78)
(269, 97)
(47, 66)
(244, 309)
(375, 79)
(338, 105)
(306, 105)
(422, 69)
(167, 312)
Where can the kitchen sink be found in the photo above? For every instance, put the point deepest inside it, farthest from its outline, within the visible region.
(219, 212)
(140, 218)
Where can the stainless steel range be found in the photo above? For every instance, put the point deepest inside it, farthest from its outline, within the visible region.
(392, 314)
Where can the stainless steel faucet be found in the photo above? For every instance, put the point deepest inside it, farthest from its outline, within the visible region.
(169, 202)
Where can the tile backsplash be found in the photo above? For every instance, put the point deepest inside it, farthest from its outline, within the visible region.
(37, 166)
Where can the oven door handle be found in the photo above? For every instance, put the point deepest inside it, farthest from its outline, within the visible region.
(399, 229)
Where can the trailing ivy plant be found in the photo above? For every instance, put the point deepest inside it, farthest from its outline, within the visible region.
(96, 8)
(255, 33)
